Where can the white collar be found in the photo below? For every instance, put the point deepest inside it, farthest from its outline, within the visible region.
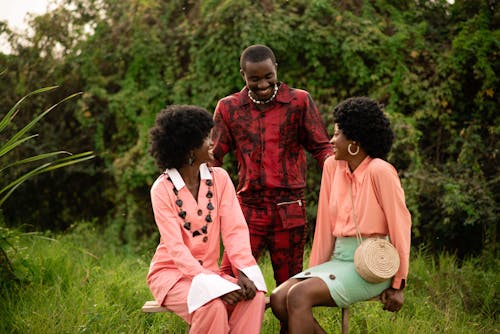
(177, 180)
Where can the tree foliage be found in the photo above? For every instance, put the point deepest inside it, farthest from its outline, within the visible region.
(433, 64)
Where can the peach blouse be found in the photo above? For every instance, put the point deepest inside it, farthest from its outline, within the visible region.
(379, 203)
(179, 254)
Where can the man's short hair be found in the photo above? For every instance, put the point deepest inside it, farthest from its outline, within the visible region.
(256, 53)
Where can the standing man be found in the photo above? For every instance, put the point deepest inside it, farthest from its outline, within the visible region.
(268, 125)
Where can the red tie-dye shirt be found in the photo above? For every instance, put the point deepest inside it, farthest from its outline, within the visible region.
(269, 145)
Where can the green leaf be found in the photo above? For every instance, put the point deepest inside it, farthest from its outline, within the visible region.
(8, 117)
(17, 182)
(17, 139)
(59, 163)
(4, 149)
(38, 118)
(34, 158)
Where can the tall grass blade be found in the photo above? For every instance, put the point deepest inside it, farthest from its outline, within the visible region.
(76, 159)
(8, 117)
(38, 118)
(59, 163)
(34, 158)
(4, 149)
(17, 182)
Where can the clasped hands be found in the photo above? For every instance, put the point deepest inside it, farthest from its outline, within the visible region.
(247, 291)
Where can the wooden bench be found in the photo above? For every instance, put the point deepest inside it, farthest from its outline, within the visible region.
(151, 306)
(345, 315)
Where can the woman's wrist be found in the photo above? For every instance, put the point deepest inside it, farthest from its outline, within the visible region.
(402, 285)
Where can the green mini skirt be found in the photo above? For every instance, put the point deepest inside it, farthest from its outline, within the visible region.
(345, 285)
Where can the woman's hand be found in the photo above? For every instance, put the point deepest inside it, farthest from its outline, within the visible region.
(392, 299)
(247, 291)
(233, 297)
(247, 286)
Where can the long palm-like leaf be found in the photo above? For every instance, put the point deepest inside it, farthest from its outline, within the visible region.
(8, 117)
(28, 127)
(34, 158)
(48, 167)
(5, 148)
(14, 184)
(20, 137)
(63, 162)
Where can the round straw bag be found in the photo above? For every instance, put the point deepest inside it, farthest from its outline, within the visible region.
(376, 260)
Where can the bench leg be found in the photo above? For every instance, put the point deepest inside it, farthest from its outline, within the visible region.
(345, 320)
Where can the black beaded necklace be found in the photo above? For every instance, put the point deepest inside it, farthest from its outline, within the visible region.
(208, 218)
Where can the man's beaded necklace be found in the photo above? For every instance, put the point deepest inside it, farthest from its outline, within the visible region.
(266, 101)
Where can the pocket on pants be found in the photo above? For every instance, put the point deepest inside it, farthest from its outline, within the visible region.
(292, 214)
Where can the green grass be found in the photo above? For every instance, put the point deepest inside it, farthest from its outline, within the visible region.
(79, 283)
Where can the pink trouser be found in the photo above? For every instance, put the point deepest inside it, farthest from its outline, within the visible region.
(217, 317)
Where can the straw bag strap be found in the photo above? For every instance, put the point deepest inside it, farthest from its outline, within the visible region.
(358, 234)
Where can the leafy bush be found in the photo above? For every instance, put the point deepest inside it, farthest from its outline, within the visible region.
(432, 63)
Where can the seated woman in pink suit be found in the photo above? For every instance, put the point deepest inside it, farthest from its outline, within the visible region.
(195, 207)
(358, 186)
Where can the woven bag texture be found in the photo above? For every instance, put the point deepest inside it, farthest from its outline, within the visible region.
(376, 260)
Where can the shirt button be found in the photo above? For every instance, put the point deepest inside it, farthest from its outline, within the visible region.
(200, 212)
(332, 276)
(201, 262)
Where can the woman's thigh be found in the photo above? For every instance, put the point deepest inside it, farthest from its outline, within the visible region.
(310, 292)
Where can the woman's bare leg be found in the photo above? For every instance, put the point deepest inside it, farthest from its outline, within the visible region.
(278, 299)
(301, 298)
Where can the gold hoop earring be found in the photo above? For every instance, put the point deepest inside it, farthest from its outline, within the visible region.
(350, 151)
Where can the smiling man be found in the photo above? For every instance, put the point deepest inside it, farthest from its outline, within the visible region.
(269, 126)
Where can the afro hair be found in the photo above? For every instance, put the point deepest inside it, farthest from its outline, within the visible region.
(178, 130)
(363, 120)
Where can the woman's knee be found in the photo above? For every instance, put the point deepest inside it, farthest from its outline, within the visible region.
(278, 296)
(296, 298)
(278, 302)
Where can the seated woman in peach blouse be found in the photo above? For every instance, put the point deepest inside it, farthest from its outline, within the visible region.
(356, 179)
(195, 206)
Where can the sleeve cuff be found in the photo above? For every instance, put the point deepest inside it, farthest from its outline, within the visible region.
(255, 275)
(205, 287)
(398, 283)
